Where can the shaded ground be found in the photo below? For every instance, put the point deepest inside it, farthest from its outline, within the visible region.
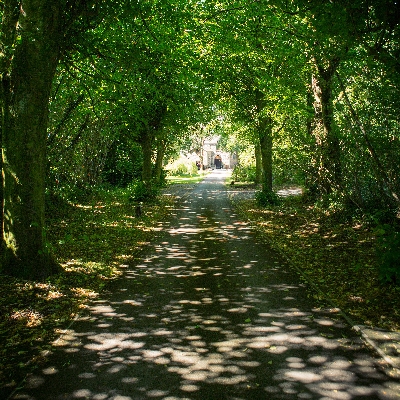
(90, 239)
(209, 313)
(337, 256)
(318, 241)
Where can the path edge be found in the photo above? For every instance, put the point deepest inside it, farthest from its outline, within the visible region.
(360, 329)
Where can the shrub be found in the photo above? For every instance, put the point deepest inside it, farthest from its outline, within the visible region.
(374, 200)
(122, 165)
(139, 191)
(388, 254)
(244, 173)
(266, 198)
(181, 167)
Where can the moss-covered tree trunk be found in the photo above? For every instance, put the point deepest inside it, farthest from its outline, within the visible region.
(1, 192)
(1, 170)
(147, 141)
(25, 110)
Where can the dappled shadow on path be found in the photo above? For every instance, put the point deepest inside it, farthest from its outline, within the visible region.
(209, 313)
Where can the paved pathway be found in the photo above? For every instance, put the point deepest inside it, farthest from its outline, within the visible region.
(209, 313)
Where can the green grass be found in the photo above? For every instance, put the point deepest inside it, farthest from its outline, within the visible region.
(185, 179)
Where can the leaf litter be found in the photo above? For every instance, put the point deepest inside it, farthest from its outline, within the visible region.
(93, 243)
(338, 257)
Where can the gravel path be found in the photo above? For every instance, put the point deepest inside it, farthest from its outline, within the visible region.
(209, 313)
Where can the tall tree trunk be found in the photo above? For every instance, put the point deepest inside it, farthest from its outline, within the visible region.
(161, 147)
(265, 138)
(259, 168)
(11, 12)
(311, 181)
(3, 102)
(27, 68)
(146, 143)
(264, 130)
(328, 149)
(24, 140)
(1, 187)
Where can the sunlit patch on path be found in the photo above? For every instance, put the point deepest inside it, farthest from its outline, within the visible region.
(209, 313)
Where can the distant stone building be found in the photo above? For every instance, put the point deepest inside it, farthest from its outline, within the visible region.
(213, 157)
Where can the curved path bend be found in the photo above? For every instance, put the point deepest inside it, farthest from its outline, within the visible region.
(209, 313)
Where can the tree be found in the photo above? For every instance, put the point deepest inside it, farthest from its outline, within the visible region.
(35, 34)
(258, 67)
(26, 90)
(344, 34)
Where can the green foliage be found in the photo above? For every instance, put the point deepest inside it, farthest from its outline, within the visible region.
(290, 158)
(266, 198)
(185, 179)
(288, 174)
(388, 254)
(244, 173)
(336, 204)
(71, 192)
(123, 164)
(56, 205)
(245, 170)
(182, 167)
(377, 203)
(139, 191)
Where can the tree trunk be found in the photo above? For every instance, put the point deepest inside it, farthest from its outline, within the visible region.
(1, 187)
(161, 147)
(10, 16)
(259, 168)
(264, 130)
(4, 101)
(25, 111)
(146, 143)
(265, 138)
(328, 147)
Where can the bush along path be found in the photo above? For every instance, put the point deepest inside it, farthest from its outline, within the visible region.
(339, 257)
(208, 312)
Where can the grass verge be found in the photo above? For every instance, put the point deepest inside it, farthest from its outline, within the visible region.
(185, 178)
